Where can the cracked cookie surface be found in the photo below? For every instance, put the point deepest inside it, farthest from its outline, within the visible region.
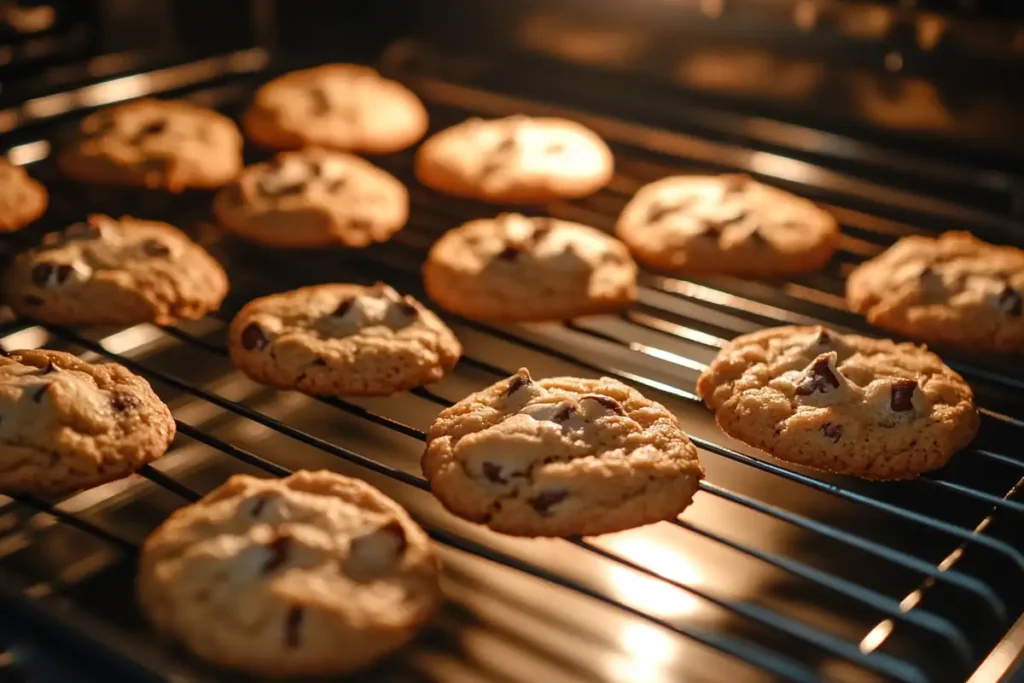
(517, 268)
(954, 289)
(342, 339)
(314, 197)
(67, 424)
(847, 404)
(517, 159)
(341, 106)
(22, 198)
(314, 574)
(728, 224)
(115, 272)
(560, 457)
(157, 144)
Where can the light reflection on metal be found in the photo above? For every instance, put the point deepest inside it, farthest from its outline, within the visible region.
(29, 153)
(646, 592)
(650, 652)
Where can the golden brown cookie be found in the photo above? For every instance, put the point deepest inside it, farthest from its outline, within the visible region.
(115, 272)
(22, 199)
(560, 457)
(66, 424)
(515, 160)
(157, 144)
(954, 289)
(311, 198)
(869, 408)
(517, 268)
(314, 574)
(339, 106)
(727, 224)
(340, 340)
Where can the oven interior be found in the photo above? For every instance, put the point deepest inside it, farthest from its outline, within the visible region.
(774, 573)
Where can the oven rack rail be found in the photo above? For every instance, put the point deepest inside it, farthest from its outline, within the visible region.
(656, 290)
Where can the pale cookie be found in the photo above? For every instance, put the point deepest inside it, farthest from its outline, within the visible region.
(340, 340)
(115, 272)
(560, 457)
(66, 424)
(518, 268)
(314, 574)
(313, 198)
(157, 144)
(955, 290)
(870, 408)
(728, 224)
(518, 159)
(340, 106)
(22, 199)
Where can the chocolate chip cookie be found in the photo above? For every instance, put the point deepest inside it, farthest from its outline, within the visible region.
(847, 404)
(560, 457)
(66, 424)
(314, 574)
(312, 198)
(954, 289)
(157, 144)
(340, 106)
(727, 224)
(22, 199)
(515, 160)
(340, 339)
(115, 272)
(517, 268)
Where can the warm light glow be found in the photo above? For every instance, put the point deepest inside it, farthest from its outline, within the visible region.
(29, 153)
(649, 651)
(876, 637)
(130, 339)
(649, 593)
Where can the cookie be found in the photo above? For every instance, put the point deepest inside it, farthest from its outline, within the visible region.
(954, 289)
(313, 198)
(314, 574)
(847, 404)
(22, 199)
(341, 340)
(515, 160)
(518, 268)
(20, 18)
(727, 224)
(66, 424)
(115, 272)
(157, 144)
(560, 457)
(340, 106)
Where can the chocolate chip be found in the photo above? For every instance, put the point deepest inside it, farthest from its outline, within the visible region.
(541, 228)
(555, 148)
(902, 395)
(1010, 301)
(257, 507)
(364, 562)
(509, 253)
(62, 273)
(293, 626)
(407, 308)
(253, 337)
(343, 308)
(42, 273)
(50, 367)
(4, 352)
(40, 392)
(517, 382)
(563, 414)
(716, 226)
(492, 473)
(823, 339)
(155, 248)
(278, 553)
(33, 300)
(319, 361)
(819, 378)
(336, 184)
(123, 402)
(658, 210)
(544, 501)
(151, 128)
(832, 431)
(606, 402)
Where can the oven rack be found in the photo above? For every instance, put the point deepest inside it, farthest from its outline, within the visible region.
(665, 302)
